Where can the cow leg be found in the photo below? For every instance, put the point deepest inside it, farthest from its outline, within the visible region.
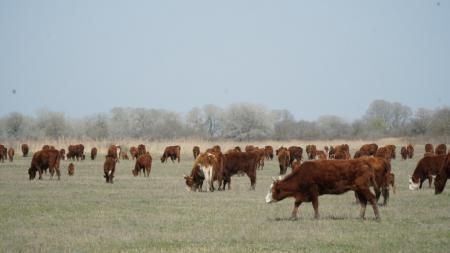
(315, 204)
(385, 191)
(40, 173)
(294, 214)
(430, 178)
(368, 196)
(363, 203)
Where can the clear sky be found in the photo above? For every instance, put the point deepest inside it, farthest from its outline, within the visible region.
(311, 57)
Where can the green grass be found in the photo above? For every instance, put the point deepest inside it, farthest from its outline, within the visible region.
(84, 214)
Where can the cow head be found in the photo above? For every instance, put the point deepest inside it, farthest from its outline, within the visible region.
(275, 191)
(135, 172)
(414, 183)
(163, 158)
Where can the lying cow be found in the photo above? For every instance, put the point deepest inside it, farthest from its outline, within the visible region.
(311, 179)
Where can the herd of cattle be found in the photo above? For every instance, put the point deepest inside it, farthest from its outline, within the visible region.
(328, 171)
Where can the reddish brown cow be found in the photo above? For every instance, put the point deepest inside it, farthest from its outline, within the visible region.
(342, 152)
(269, 152)
(404, 153)
(410, 150)
(427, 154)
(196, 151)
(75, 151)
(391, 148)
(314, 178)
(144, 163)
(42, 160)
(112, 152)
(211, 167)
(425, 169)
(442, 176)
(93, 153)
(368, 149)
(261, 155)
(239, 161)
(25, 149)
(429, 148)
(71, 169)
(295, 153)
(11, 154)
(134, 153)
(384, 153)
(172, 152)
(3, 153)
(441, 149)
(357, 154)
(311, 150)
(141, 150)
(249, 148)
(283, 159)
(109, 167)
(382, 171)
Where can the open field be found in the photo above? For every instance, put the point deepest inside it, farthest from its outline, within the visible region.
(84, 214)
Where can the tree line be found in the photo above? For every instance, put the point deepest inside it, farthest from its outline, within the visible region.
(241, 122)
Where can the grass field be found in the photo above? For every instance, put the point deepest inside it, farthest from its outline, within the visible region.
(84, 214)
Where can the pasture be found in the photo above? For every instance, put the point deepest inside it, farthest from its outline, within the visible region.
(135, 214)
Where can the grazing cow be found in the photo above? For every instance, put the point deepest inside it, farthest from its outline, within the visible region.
(211, 167)
(311, 150)
(42, 160)
(314, 178)
(141, 150)
(62, 153)
(112, 152)
(295, 153)
(425, 169)
(441, 149)
(134, 153)
(268, 150)
(109, 167)
(442, 176)
(71, 169)
(25, 149)
(144, 163)
(239, 161)
(321, 155)
(172, 152)
(392, 150)
(3, 153)
(196, 151)
(283, 159)
(368, 149)
(93, 153)
(11, 154)
(404, 153)
(410, 150)
(75, 151)
(429, 148)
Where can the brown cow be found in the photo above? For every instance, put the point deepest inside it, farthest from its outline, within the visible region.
(427, 154)
(71, 169)
(441, 149)
(11, 154)
(196, 151)
(321, 155)
(249, 148)
(238, 149)
(211, 167)
(425, 169)
(261, 155)
(62, 154)
(404, 153)
(283, 159)
(269, 152)
(25, 149)
(368, 149)
(42, 160)
(392, 150)
(124, 155)
(3, 153)
(314, 178)
(357, 154)
(93, 153)
(112, 152)
(410, 150)
(429, 148)
(342, 152)
(75, 151)
(311, 150)
(172, 152)
(141, 150)
(382, 171)
(295, 153)
(442, 176)
(134, 153)
(384, 153)
(109, 167)
(144, 163)
(331, 152)
(194, 182)
(239, 161)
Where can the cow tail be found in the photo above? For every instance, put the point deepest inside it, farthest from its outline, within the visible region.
(374, 183)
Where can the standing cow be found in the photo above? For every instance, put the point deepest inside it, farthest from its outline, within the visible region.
(25, 149)
(109, 167)
(144, 163)
(11, 154)
(442, 176)
(172, 152)
(93, 153)
(3, 153)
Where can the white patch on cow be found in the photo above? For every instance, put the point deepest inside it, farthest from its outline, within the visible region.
(269, 198)
(109, 173)
(413, 186)
(207, 171)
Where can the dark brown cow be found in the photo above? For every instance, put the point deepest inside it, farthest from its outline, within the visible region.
(93, 153)
(196, 151)
(295, 153)
(75, 151)
(144, 163)
(45, 147)
(238, 149)
(134, 153)
(269, 152)
(442, 176)
(368, 149)
(425, 169)
(314, 178)
(71, 169)
(109, 167)
(429, 148)
(283, 159)
(427, 154)
(441, 149)
(25, 149)
(239, 161)
(42, 160)
(410, 150)
(404, 153)
(11, 154)
(311, 150)
(172, 152)
(141, 150)
(211, 167)
(3, 153)
(62, 154)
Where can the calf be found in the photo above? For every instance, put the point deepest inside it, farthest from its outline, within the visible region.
(93, 153)
(71, 169)
(25, 149)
